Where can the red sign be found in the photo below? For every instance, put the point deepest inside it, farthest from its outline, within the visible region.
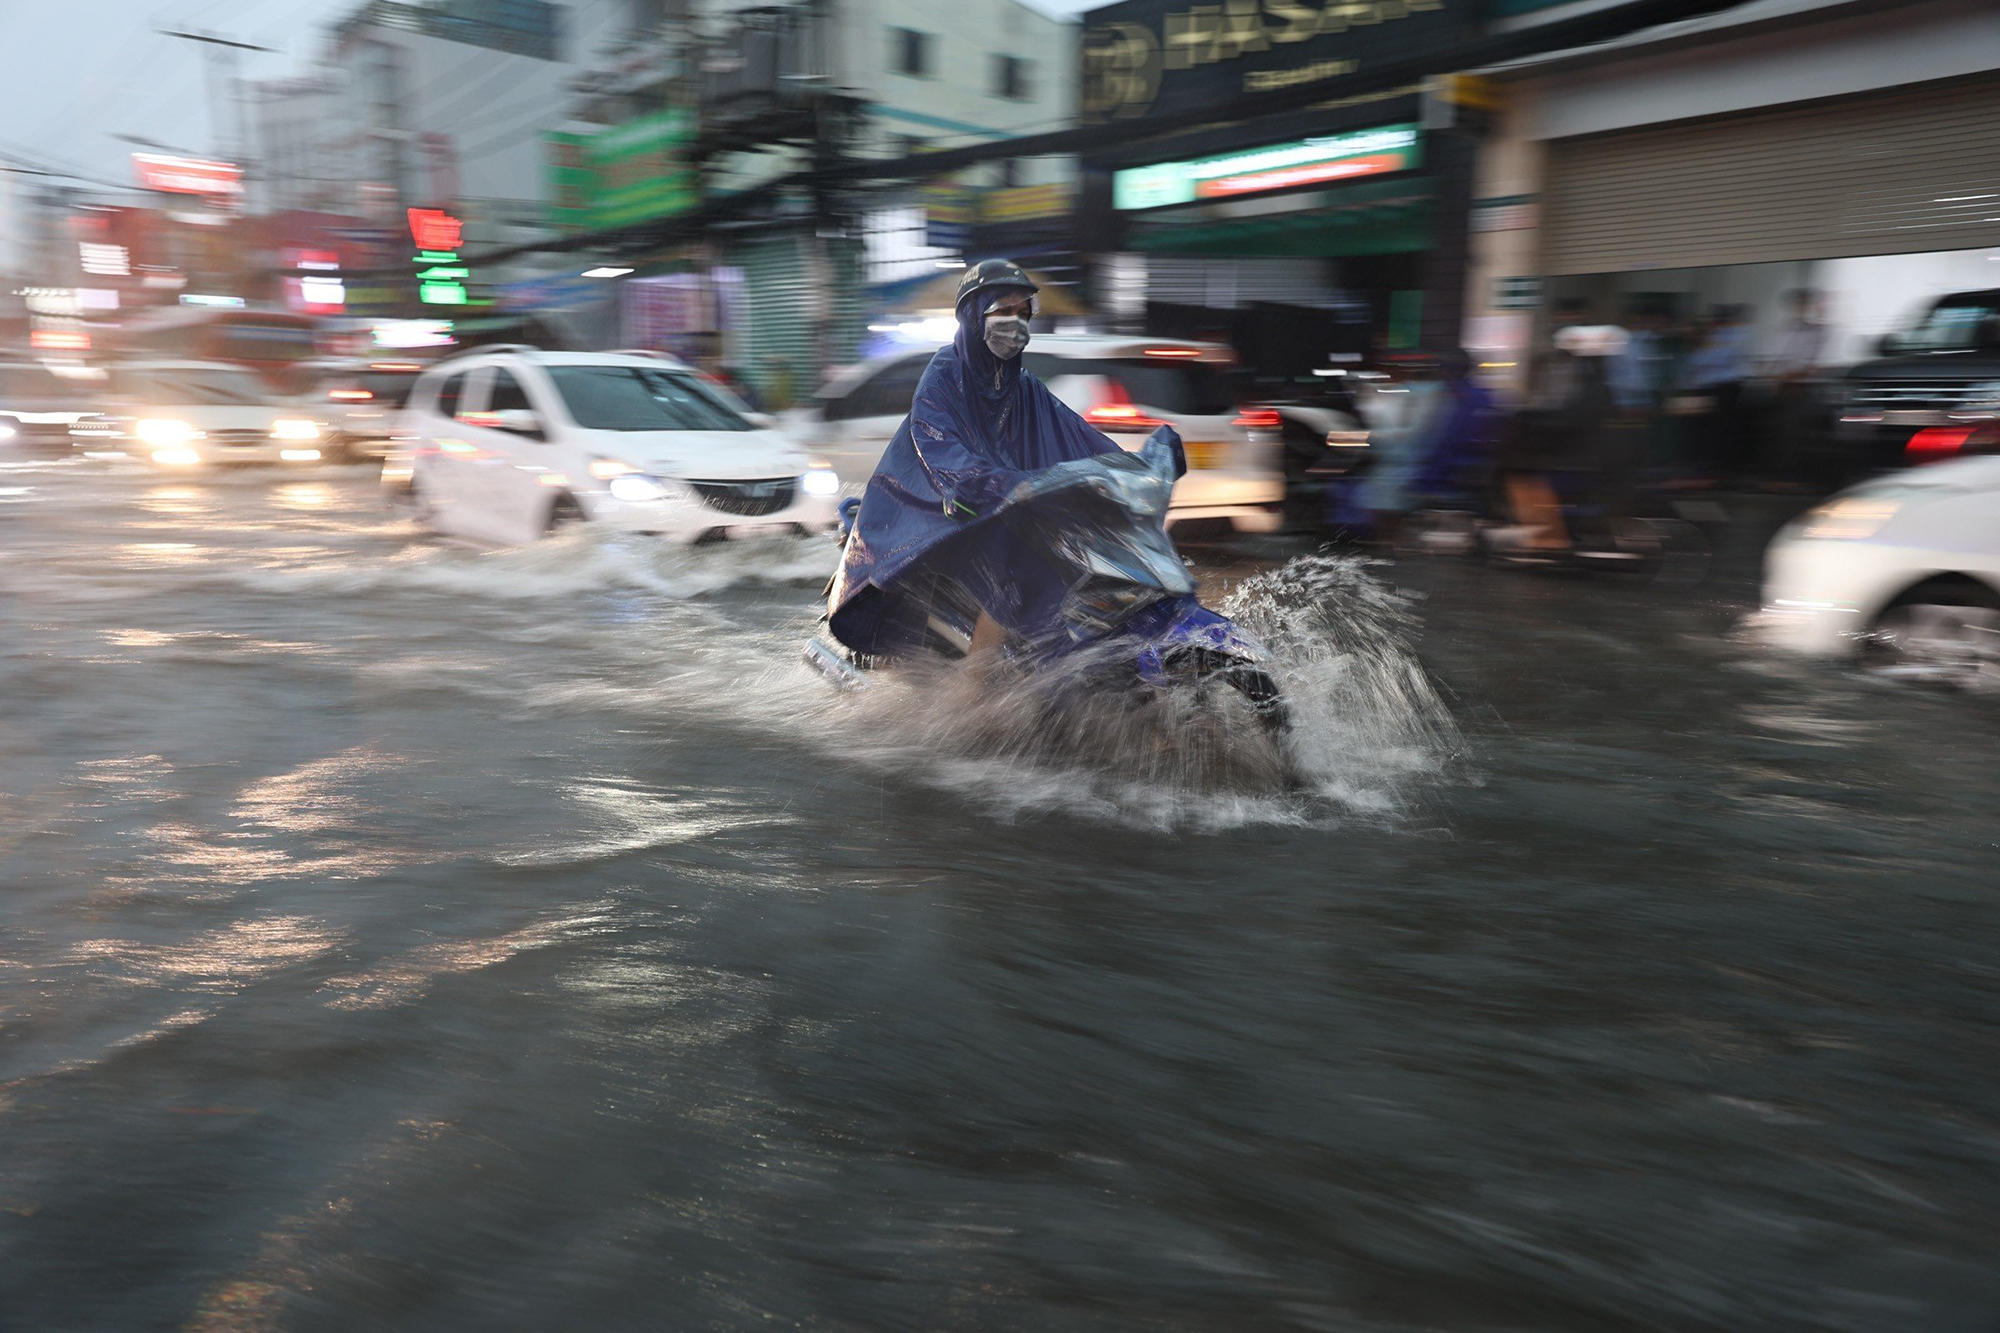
(1313, 173)
(60, 340)
(435, 229)
(188, 175)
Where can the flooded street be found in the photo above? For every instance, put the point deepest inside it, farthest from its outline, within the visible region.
(400, 936)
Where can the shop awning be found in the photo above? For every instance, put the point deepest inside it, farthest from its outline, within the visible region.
(1371, 218)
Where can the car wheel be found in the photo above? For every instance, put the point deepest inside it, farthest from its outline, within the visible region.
(1944, 632)
(565, 513)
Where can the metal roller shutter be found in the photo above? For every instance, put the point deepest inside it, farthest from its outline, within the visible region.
(785, 301)
(1898, 173)
(1230, 283)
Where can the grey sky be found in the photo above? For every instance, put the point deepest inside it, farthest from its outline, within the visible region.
(82, 70)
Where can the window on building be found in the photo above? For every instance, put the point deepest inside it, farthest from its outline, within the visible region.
(1010, 78)
(910, 52)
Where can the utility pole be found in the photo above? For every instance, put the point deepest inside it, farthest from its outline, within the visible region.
(219, 56)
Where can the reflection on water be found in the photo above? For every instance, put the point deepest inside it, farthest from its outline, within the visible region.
(403, 937)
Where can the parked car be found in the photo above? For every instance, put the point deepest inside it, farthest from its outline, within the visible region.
(1933, 392)
(38, 406)
(183, 414)
(1123, 386)
(508, 444)
(362, 403)
(1902, 572)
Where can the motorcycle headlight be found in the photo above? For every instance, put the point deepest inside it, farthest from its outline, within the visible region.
(636, 488)
(821, 481)
(1849, 518)
(165, 432)
(294, 428)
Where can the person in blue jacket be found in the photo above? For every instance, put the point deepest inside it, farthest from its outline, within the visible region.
(978, 426)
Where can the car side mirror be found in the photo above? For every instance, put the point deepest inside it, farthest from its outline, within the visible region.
(1889, 344)
(518, 421)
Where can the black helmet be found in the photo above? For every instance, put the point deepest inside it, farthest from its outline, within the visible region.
(993, 273)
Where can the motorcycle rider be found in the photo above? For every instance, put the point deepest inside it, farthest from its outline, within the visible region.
(979, 425)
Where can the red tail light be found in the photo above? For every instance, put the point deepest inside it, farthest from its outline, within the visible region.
(1116, 415)
(349, 395)
(1259, 418)
(1937, 441)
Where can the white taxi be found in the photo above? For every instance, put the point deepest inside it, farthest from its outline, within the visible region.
(1123, 386)
(1902, 571)
(190, 414)
(510, 443)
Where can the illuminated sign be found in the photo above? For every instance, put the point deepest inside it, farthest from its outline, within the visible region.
(1318, 161)
(435, 229)
(318, 290)
(59, 340)
(111, 261)
(442, 281)
(1141, 57)
(414, 333)
(212, 302)
(188, 175)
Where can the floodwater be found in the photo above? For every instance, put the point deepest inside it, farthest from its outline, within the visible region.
(401, 937)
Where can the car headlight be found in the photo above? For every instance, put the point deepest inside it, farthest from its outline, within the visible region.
(604, 469)
(165, 432)
(820, 480)
(1849, 518)
(6, 432)
(294, 428)
(636, 488)
(176, 455)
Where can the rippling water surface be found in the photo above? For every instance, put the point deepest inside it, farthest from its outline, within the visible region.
(396, 936)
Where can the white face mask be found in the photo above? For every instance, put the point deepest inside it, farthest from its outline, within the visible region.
(1006, 335)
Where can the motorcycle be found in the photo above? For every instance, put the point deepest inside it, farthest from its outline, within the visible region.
(1103, 601)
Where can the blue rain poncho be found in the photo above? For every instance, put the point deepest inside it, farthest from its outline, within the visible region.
(977, 427)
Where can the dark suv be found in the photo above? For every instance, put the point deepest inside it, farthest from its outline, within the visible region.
(1934, 391)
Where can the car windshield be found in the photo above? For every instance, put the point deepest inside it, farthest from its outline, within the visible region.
(1186, 387)
(20, 384)
(193, 386)
(641, 398)
(388, 386)
(1953, 326)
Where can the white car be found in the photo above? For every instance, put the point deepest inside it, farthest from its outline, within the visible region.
(38, 405)
(185, 414)
(1123, 386)
(1902, 571)
(508, 444)
(361, 404)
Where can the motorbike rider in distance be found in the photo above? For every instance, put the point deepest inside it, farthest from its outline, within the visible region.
(979, 425)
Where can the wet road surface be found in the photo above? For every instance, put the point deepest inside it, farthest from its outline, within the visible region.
(397, 936)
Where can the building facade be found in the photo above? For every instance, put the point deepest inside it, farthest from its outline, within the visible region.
(1851, 150)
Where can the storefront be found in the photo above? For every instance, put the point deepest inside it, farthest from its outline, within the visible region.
(1843, 149)
(1320, 230)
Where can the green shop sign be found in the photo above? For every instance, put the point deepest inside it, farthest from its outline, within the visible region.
(1317, 161)
(612, 175)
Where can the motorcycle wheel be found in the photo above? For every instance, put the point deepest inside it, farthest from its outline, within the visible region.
(1258, 689)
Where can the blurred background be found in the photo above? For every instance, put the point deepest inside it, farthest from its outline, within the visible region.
(434, 893)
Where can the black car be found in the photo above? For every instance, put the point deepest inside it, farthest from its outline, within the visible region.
(1934, 391)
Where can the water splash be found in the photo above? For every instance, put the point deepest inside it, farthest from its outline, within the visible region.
(1368, 728)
